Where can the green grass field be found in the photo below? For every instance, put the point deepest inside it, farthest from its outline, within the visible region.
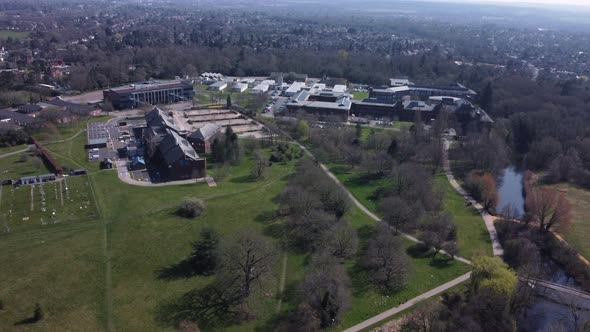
(578, 232)
(97, 268)
(360, 95)
(4, 34)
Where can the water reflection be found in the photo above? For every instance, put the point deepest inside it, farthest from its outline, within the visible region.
(510, 187)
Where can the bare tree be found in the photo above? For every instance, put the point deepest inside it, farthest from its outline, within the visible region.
(341, 240)
(437, 231)
(399, 213)
(308, 229)
(386, 259)
(326, 290)
(548, 207)
(245, 261)
(259, 165)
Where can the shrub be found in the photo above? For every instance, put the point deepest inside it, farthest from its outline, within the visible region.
(191, 208)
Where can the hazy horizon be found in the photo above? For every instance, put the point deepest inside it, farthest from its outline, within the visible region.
(578, 3)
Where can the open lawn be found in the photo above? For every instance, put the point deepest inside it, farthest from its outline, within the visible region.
(472, 235)
(360, 95)
(17, 166)
(4, 34)
(578, 233)
(99, 267)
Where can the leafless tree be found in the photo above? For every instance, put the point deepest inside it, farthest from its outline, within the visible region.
(341, 240)
(399, 213)
(326, 290)
(437, 231)
(386, 259)
(548, 207)
(246, 261)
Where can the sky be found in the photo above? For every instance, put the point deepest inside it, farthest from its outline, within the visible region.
(585, 3)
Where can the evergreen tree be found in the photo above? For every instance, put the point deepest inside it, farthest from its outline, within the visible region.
(486, 99)
(228, 101)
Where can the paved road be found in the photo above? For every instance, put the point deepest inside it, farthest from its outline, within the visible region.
(488, 219)
(393, 311)
(360, 205)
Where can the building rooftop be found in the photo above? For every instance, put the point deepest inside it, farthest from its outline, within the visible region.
(150, 85)
(206, 131)
(96, 133)
(173, 147)
(159, 118)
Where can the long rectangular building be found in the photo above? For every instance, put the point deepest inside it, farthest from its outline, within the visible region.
(149, 93)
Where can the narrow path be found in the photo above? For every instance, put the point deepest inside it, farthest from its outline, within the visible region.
(360, 205)
(66, 139)
(282, 282)
(384, 315)
(33, 198)
(488, 219)
(14, 152)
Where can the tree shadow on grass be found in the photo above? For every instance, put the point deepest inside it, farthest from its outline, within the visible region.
(243, 179)
(27, 321)
(359, 278)
(199, 305)
(182, 270)
(363, 179)
(439, 261)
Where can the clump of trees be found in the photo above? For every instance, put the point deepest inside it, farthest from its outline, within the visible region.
(191, 208)
(482, 186)
(12, 137)
(226, 148)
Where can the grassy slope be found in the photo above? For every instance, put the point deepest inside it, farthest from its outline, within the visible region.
(578, 232)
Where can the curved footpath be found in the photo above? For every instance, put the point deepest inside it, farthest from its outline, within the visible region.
(408, 304)
(487, 218)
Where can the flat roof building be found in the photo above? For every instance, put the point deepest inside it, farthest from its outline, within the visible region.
(96, 135)
(149, 93)
(339, 107)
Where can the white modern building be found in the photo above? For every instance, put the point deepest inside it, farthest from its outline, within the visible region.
(239, 87)
(217, 86)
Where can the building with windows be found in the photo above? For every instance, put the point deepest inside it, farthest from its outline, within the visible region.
(202, 138)
(170, 157)
(217, 86)
(149, 93)
(330, 105)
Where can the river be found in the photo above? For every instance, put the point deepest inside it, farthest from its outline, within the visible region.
(510, 190)
(543, 314)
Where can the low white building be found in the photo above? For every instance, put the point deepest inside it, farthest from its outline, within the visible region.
(400, 81)
(239, 87)
(339, 88)
(217, 86)
(260, 88)
(294, 89)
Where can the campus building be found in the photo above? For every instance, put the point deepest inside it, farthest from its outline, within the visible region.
(330, 104)
(203, 137)
(149, 93)
(170, 156)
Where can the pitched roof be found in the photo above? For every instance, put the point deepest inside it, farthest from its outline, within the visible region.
(173, 148)
(158, 118)
(18, 118)
(206, 131)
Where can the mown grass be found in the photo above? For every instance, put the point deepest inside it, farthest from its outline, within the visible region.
(13, 167)
(578, 232)
(4, 34)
